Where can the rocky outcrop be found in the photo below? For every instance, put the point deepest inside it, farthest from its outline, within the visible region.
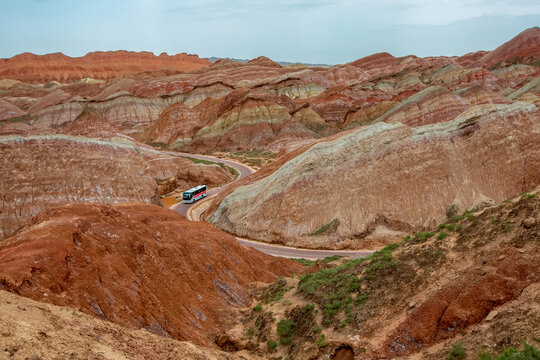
(41, 171)
(137, 265)
(9, 110)
(432, 105)
(176, 125)
(390, 175)
(179, 173)
(32, 68)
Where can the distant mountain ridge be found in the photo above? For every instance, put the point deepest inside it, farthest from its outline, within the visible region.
(282, 63)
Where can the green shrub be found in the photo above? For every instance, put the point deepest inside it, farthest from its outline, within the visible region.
(309, 307)
(507, 226)
(257, 307)
(529, 352)
(304, 262)
(525, 195)
(285, 330)
(423, 236)
(250, 332)
(457, 352)
(271, 345)
(441, 235)
(321, 341)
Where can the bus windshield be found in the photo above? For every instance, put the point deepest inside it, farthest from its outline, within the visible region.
(187, 196)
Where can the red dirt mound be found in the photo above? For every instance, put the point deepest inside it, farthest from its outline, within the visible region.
(137, 265)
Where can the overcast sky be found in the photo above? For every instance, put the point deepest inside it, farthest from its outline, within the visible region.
(315, 31)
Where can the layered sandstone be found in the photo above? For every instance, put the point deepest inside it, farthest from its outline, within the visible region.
(180, 110)
(41, 171)
(9, 110)
(32, 68)
(432, 105)
(137, 265)
(390, 175)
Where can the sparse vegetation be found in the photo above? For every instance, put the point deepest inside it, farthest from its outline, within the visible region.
(328, 228)
(457, 352)
(285, 330)
(275, 292)
(336, 289)
(255, 158)
(442, 235)
(321, 341)
(258, 307)
(232, 170)
(525, 195)
(423, 236)
(529, 352)
(508, 226)
(271, 345)
(326, 260)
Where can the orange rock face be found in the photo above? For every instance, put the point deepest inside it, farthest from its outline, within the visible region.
(98, 65)
(137, 265)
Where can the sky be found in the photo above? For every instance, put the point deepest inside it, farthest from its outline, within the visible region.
(311, 31)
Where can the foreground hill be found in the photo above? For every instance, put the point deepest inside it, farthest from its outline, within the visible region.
(137, 265)
(384, 179)
(34, 330)
(32, 68)
(467, 287)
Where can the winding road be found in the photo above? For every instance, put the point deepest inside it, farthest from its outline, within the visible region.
(271, 249)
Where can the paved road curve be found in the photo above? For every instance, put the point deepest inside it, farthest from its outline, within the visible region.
(275, 250)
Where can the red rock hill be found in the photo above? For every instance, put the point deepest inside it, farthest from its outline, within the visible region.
(33, 68)
(136, 265)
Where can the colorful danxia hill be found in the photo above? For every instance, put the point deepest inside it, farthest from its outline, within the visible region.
(426, 170)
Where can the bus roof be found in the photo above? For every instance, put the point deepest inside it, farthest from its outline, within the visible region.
(196, 188)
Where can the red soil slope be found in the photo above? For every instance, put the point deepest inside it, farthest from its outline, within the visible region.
(137, 265)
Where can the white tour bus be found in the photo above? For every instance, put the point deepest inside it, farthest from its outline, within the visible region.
(194, 194)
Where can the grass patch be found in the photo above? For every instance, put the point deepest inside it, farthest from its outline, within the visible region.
(304, 262)
(527, 195)
(286, 331)
(423, 236)
(274, 292)
(457, 352)
(326, 260)
(329, 259)
(529, 352)
(271, 345)
(336, 289)
(321, 341)
(442, 235)
(258, 307)
(507, 226)
(331, 227)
